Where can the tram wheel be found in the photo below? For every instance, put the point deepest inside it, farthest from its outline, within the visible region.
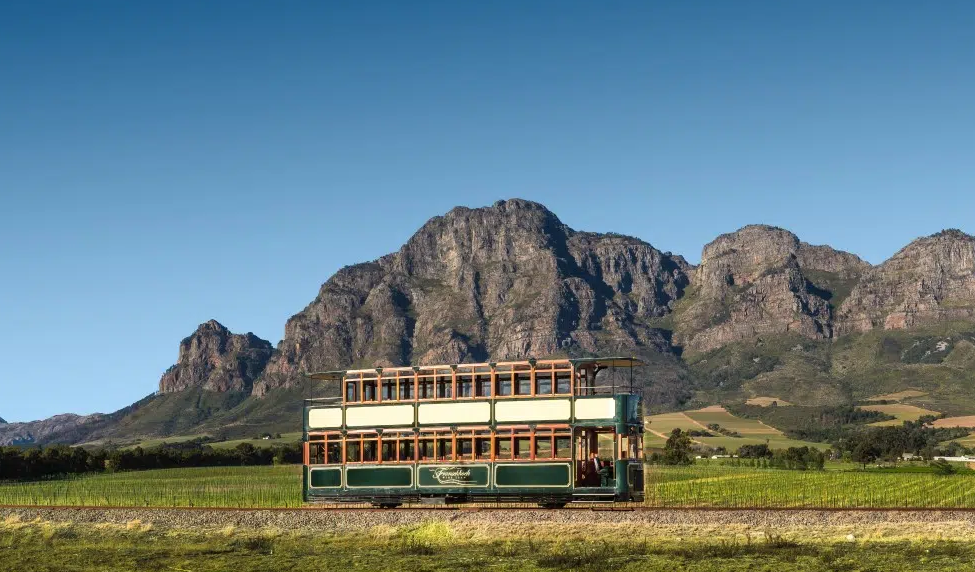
(552, 505)
(386, 505)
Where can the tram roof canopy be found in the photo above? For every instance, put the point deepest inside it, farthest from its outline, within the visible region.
(603, 362)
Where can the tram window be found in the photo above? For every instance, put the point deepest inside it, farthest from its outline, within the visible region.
(563, 447)
(406, 388)
(350, 391)
(502, 448)
(482, 447)
(370, 450)
(406, 450)
(426, 387)
(483, 384)
(426, 451)
(465, 386)
(631, 445)
(523, 381)
(369, 390)
(503, 378)
(504, 386)
(334, 453)
(543, 447)
(563, 381)
(465, 448)
(316, 453)
(353, 451)
(543, 382)
(445, 449)
(444, 390)
(389, 450)
(523, 447)
(389, 389)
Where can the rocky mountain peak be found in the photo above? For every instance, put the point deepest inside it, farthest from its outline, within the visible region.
(929, 280)
(216, 359)
(762, 279)
(505, 281)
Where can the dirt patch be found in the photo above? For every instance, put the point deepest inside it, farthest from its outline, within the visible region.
(965, 421)
(767, 401)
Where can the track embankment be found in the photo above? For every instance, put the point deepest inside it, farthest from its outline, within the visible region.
(940, 523)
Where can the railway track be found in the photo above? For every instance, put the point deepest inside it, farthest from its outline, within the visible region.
(462, 509)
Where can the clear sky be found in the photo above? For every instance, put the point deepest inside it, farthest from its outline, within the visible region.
(164, 163)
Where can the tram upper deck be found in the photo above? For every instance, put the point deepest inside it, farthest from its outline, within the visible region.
(478, 381)
(580, 391)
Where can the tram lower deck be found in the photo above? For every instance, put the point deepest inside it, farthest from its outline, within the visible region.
(548, 483)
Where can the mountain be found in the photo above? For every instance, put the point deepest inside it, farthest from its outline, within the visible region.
(215, 359)
(763, 314)
(2, 422)
(763, 280)
(503, 282)
(66, 427)
(931, 280)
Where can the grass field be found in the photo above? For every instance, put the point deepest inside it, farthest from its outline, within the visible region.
(742, 487)
(440, 546)
(243, 487)
(906, 394)
(752, 431)
(901, 411)
(285, 439)
(700, 485)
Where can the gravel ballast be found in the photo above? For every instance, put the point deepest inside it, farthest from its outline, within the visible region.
(338, 521)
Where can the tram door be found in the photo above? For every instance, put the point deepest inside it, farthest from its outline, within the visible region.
(602, 442)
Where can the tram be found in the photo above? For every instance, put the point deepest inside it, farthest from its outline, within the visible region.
(550, 432)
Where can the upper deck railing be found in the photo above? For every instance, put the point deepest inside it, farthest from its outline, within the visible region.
(464, 382)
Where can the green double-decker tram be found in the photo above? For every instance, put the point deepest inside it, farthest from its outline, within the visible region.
(541, 431)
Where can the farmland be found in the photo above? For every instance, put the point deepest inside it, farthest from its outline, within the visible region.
(712, 485)
(237, 487)
(901, 411)
(227, 444)
(751, 431)
(699, 485)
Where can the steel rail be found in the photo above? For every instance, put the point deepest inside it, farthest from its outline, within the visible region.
(461, 508)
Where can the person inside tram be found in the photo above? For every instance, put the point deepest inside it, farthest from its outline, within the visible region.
(592, 470)
(605, 474)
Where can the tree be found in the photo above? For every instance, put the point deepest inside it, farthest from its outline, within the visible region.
(942, 467)
(677, 450)
(865, 452)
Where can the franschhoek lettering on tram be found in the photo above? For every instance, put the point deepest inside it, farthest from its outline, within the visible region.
(452, 476)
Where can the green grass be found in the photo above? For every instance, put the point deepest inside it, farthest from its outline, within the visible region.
(285, 439)
(901, 411)
(435, 546)
(245, 487)
(738, 487)
(700, 485)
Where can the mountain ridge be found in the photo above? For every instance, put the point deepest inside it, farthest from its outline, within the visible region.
(512, 281)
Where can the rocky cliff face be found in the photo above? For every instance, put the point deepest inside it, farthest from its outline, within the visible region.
(67, 428)
(930, 280)
(217, 360)
(762, 280)
(501, 282)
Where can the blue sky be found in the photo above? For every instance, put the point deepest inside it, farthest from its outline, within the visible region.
(164, 163)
